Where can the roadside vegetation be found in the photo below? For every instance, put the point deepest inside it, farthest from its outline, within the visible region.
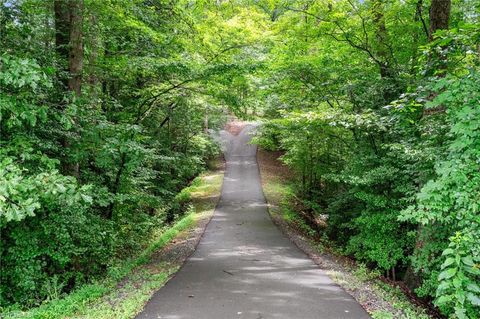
(106, 109)
(383, 300)
(129, 284)
(374, 105)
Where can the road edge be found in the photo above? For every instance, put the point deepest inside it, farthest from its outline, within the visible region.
(379, 299)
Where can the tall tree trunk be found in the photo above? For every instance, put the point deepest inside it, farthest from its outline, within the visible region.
(115, 185)
(94, 40)
(439, 16)
(69, 49)
(381, 34)
(418, 18)
(69, 42)
(75, 57)
(62, 39)
(46, 21)
(385, 56)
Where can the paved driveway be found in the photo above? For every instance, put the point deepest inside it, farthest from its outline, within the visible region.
(244, 267)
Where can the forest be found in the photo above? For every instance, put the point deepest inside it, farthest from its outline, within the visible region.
(106, 108)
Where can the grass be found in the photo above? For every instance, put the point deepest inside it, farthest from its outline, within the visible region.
(393, 302)
(129, 285)
(279, 194)
(384, 301)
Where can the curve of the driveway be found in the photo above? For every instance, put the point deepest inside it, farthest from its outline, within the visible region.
(244, 267)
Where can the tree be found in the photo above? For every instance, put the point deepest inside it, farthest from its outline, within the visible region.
(69, 42)
(439, 16)
(105, 110)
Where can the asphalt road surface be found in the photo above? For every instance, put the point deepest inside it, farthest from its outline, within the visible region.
(244, 267)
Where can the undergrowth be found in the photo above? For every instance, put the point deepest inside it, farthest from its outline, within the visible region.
(390, 302)
(130, 283)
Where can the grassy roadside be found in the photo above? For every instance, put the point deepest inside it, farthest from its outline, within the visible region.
(127, 287)
(381, 300)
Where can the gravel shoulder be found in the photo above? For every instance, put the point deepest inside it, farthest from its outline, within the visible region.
(380, 299)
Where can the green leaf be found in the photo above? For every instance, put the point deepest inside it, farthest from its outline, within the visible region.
(449, 273)
(442, 300)
(61, 188)
(457, 282)
(473, 270)
(448, 251)
(474, 299)
(87, 198)
(444, 285)
(468, 261)
(460, 313)
(460, 296)
(473, 287)
(448, 262)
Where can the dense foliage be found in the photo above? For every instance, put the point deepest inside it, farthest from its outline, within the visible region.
(375, 104)
(105, 108)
